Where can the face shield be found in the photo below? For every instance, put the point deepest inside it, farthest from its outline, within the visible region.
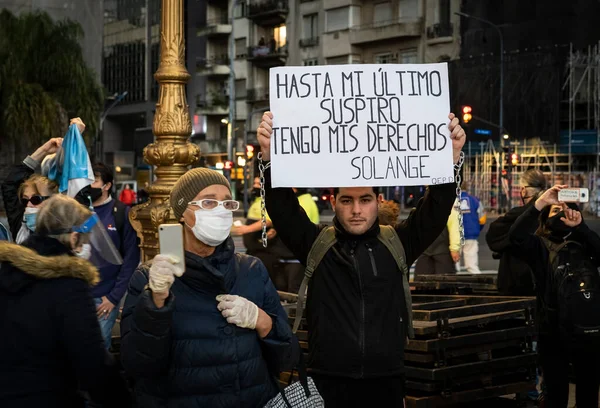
(103, 249)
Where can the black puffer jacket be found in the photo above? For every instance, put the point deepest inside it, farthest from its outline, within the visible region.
(356, 307)
(185, 354)
(51, 342)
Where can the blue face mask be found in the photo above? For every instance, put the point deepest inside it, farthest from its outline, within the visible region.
(30, 217)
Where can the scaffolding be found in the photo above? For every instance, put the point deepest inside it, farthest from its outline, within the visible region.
(573, 161)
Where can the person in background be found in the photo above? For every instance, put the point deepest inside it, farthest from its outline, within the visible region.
(474, 219)
(563, 255)
(127, 196)
(389, 212)
(308, 204)
(51, 343)
(24, 192)
(515, 277)
(215, 334)
(115, 218)
(443, 254)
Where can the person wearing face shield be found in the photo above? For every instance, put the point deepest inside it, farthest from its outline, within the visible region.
(563, 254)
(214, 334)
(52, 349)
(114, 276)
(515, 277)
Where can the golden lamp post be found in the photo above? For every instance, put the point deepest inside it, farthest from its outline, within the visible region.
(170, 153)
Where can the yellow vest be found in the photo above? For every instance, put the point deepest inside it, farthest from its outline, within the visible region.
(254, 211)
(310, 207)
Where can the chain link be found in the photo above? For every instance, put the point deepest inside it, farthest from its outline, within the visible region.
(263, 209)
(461, 226)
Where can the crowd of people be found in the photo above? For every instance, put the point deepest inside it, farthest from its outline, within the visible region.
(214, 333)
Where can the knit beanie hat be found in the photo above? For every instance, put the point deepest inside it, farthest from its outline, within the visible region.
(190, 184)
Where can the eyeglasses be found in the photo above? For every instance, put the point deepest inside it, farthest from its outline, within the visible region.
(210, 204)
(35, 200)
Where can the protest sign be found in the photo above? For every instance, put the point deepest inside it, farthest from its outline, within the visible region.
(360, 125)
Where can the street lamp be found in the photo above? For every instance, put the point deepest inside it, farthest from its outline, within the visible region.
(501, 119)
(497, 28)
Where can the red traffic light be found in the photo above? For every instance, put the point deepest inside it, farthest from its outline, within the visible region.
(228, 165)
(249, 151)
(466, 109)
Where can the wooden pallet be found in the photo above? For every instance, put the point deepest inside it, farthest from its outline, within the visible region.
(456, 284)
(466, 347)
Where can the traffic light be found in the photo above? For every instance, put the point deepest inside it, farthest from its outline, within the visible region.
(467, 114)
(228, 165)
(514, 159)
(249, 151)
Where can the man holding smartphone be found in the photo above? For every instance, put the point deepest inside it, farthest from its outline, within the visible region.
(216, 335)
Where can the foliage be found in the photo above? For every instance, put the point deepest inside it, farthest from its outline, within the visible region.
(44, 80)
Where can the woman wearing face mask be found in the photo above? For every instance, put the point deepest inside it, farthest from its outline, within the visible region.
(24, 193)
(214, 334)
(560, 253)
(51, 343)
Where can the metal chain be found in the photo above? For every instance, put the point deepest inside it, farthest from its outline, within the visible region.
(461, 226)
(263, 209)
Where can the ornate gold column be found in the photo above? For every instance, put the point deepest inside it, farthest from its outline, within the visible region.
(171, 153)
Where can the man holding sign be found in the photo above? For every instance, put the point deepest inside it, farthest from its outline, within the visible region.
(360, 127)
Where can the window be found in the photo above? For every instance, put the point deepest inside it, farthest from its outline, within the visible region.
(385, 58)
(338, 19)
(240, 48)
(409, 8)
(338, 60)
(280, 35)
(443, 12)
(311, 62)
(408, 56)
(311, 26)
(240, 89)
(382, 13)
(240, 10)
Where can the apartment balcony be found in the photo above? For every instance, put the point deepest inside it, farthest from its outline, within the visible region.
(214, 106)
(213, 66)
(309, 42)
(385, 30)
(440, 31)
(267, 57)
(268, 13)
(215, 27)
(258, 95)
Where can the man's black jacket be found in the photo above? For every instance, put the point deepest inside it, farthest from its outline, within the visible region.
(515, 277)
(356, 307)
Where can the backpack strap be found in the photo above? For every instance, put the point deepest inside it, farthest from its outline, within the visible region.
(390, 239)
(325, 240)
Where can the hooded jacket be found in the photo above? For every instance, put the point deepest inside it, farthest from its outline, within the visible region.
(51, 342)
(185, 354)
(358, 305)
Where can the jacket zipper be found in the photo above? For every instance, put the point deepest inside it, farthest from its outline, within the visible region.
(362, 320)
(372, 257)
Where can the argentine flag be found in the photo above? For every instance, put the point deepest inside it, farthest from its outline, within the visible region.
(70, 167)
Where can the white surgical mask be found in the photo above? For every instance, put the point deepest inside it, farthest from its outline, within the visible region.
(212, 226)
(85, 253)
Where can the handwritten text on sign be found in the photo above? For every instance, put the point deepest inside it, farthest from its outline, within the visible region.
(360, 125)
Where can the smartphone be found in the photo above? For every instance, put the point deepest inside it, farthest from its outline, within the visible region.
(574, 195)
(170, 241)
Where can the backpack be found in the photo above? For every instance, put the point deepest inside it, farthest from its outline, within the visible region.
(574, 291)
(325, 240)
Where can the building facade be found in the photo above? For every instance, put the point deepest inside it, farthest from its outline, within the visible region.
(271, 33)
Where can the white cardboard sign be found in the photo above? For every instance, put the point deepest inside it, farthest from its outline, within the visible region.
(360, 125)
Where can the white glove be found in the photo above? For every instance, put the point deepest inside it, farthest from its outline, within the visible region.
(162, 273)
(238, 310)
